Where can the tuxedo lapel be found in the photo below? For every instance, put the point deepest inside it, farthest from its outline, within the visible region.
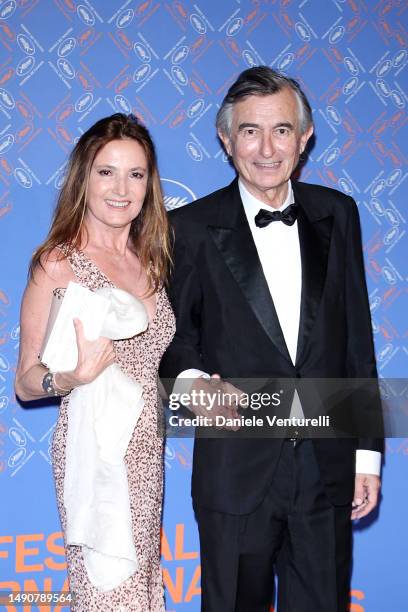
(314, 238)
(233, 239)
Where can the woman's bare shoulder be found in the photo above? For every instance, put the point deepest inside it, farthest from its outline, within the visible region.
(53, 271)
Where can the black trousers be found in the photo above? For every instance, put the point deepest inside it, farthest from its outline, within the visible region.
(296, 525)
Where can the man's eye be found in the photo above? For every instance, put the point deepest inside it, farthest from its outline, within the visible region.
(282, 131)
(250, 131)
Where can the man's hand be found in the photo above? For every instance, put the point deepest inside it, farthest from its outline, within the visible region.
(366, 492)
(217, 398)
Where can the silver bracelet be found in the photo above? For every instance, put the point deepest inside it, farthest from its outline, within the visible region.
(51, 388)
(59, 388)
(48, 384)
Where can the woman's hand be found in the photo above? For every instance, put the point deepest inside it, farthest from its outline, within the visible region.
(94, 356)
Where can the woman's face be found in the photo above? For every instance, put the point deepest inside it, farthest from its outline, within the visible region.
(117, 184)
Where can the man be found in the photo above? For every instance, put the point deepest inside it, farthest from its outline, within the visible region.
(269, 282)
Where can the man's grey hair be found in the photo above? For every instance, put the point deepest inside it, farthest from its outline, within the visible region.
(261, 81)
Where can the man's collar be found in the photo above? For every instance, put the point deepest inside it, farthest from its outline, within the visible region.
(252, 204)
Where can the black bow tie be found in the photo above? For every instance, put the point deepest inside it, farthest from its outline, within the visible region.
(287, 216)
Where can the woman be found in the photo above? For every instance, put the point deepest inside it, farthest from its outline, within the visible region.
(109, 230)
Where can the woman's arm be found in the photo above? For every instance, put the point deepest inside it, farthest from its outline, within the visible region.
(93, 356)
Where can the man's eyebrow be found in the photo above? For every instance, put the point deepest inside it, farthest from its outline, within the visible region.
(286, 124)
(243, 126)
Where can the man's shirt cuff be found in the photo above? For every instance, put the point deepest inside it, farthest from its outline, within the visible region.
(368, 462)
(185, 379)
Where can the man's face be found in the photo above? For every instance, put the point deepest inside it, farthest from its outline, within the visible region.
(265, 143)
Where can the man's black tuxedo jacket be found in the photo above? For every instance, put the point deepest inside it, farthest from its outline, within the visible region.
(227, 323)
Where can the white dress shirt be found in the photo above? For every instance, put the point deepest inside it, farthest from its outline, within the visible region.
(279, 253)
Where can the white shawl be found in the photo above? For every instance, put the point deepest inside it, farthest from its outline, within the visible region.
(102, 416)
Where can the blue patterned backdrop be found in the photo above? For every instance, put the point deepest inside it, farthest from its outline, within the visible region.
(66, 63)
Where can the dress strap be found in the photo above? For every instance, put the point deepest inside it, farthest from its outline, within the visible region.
(85, 270)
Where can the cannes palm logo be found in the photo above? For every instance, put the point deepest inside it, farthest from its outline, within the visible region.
(23, 178)
(198, 24)
(333, 115)
(336, 34)
(23, 445)
(249, 58)
(351, 65)
(125, 18)
(25, 65)
(389, 275)
(234, 26)
(195, 108)
(122, 104)
(391, 235)
(302, 31)
(377, 207)
(19, 454)
(180, 54)
(286, 61)
(194, 151)
(85, 15)
(392, 216)
(142, 52)
(66, 47)
(141, 73)
(345, 186)
(83, 102)
(66, 68)
(394, 177)
(25, 44)
(6, 99)
(7, 9)
(176, 194)
(350, 85)
(6, 142)
(4, 402)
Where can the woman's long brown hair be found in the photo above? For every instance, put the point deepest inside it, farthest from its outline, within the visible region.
(149, 232)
